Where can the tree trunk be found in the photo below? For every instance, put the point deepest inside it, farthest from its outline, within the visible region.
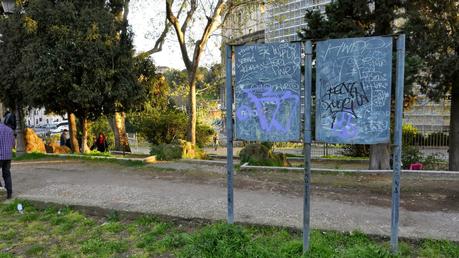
(73, 133)
(380, 156)
(119, 130)
(192, 105)
(20, 140)
(454, 128)
(84, 137)
(384, 13)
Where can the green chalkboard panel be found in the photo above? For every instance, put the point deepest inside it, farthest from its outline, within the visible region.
(353, 90)
(267, 92)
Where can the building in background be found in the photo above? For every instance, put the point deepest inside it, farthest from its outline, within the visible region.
(429, 116)
(260, 23)
(283, 21)
(37, 117)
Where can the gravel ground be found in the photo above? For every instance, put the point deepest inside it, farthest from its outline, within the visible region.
(148, 190)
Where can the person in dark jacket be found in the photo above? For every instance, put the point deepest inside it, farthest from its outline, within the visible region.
(100, 144)
(10, 120)
(7, 143)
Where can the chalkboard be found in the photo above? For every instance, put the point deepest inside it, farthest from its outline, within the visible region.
(353, 90)
(267, 92)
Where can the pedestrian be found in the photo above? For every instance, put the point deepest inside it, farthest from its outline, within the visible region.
(64, 137)
(10, 120)
(100, 144)
(215, 141)
(7, 143)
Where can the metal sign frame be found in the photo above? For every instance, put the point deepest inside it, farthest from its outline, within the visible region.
(307, 139)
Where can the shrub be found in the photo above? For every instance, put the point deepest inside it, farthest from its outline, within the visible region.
(178, 150)
(410, 155)
(434, 162)
(163, 128)
(260, 155)
(166, 151)
(356, 150)
(170, 126)
(204, 134)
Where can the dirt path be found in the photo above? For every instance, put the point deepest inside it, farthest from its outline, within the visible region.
(339, 202)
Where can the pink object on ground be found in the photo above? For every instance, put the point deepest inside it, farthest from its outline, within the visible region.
(416, 166)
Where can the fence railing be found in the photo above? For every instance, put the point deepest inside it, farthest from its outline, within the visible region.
(427, 138)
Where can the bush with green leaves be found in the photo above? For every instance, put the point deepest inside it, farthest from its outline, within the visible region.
(434, 162)
(410, 155)
(169, 126)
(260, 155)
(204, 134)
(167, 151)
(356, 150)
(177, 150)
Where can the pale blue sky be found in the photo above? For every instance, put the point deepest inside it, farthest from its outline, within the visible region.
(147, 20)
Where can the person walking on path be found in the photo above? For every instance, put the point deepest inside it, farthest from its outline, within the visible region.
(7, 143)
(10, 120)
(100, 144)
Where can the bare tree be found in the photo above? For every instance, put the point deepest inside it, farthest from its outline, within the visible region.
(214, 13)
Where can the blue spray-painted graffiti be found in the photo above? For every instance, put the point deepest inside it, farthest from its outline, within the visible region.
(267, 91)
(353, 90)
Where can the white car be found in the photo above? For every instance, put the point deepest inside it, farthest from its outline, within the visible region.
(60, 127)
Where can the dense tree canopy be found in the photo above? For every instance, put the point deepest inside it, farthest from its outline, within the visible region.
(75, 59)
(12, 37)
(70, 56)
(433, 39)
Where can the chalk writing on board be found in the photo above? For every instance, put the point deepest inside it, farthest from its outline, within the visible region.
(353, 90)
(267, 91)
(344, 98)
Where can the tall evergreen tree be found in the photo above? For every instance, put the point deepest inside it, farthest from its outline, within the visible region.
(433, 38)
(74, 61)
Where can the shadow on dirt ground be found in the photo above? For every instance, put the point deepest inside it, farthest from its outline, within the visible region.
(418, 192)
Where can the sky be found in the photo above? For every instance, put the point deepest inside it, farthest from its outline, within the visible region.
(146, 18)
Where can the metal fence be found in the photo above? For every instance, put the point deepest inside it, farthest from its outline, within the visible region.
(426, 138)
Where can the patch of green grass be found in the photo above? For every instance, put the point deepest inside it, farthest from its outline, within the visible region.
(95, 153)
(436, 248)
(103, 248)
(10, 234)
(31, 156)
(55, 232)
(113, 227)
(35, 250)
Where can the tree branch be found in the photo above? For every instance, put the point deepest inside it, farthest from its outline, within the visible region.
(180, 35)
(189, 15)
(211, 26)
(159, 43)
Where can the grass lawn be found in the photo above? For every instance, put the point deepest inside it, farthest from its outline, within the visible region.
(97, 157)
(66, 233)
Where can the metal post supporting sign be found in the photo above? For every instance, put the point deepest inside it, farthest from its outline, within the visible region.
(307, 144)
(229, 132)
(397, 142)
